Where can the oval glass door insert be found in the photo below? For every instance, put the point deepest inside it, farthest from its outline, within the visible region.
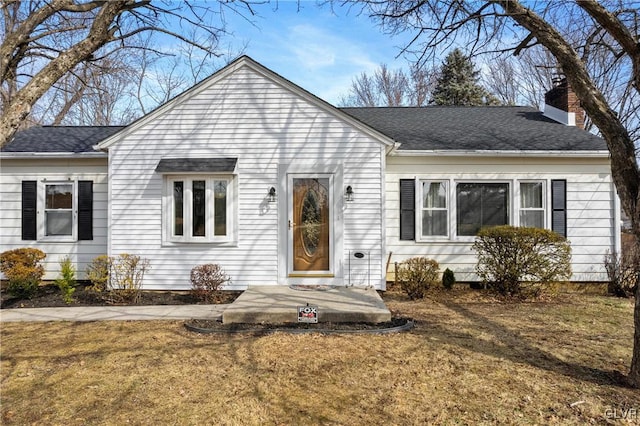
(311, 222)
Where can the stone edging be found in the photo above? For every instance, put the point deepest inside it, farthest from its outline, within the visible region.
(397, 329)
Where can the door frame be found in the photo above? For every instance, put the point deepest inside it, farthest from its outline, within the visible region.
(285, 209)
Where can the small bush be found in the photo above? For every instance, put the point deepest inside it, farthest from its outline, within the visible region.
(623, 272)
(125, 277)
(98, 273)
(448, 279)
(509, 256)
(416, 275)
(23, 270)
(206, 282)
(67, 281)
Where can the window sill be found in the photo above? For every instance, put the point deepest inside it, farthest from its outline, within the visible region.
(52, 239)
(200, 243)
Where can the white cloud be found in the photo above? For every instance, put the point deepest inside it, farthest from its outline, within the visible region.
(318, 50)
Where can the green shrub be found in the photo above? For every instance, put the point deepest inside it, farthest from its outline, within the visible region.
(416, 275)
(125, 277)
(98, 273)
(67, 281)
(448, 279)
(23, 270)
(206, 282)
(509, 256)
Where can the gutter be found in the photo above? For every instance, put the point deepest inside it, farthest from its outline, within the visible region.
(51, 155)
(499, 153)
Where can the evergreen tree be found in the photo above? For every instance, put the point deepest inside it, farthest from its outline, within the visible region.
(458, 83)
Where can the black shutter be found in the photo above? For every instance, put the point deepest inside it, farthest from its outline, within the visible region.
(407, 209)
(559, 206)
(85, 210)
(29, 209)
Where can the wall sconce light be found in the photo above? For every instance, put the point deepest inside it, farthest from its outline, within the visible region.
(272, 195)
(348, 193)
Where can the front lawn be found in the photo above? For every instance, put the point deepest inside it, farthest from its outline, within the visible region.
(470, 360)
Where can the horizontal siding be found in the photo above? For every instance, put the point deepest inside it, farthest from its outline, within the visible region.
(265, 127)
(590, 207)
(81, 253)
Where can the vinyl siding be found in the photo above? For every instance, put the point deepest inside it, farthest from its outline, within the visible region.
(591, 207)
(267, 127)
(14, 171)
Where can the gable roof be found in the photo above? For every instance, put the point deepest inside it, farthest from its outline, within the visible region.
(59, 139)
(241, 62)
(483, 128)
(448, 129)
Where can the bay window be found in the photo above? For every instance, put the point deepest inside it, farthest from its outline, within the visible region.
(199, 208)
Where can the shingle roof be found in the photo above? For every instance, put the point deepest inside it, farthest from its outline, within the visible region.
(426, 128)
(208, 165)
(59, 138)
(476, 128)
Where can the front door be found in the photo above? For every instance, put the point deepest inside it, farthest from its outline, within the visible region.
(310, 230)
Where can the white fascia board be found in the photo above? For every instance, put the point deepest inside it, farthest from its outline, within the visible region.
(51, 155)
(499, 153)
(230, 69)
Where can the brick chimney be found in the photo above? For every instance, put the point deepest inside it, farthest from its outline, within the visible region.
(562, 105)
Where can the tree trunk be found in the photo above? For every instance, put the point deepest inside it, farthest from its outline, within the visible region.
(634, 372)
(624, 165)
(101, 32)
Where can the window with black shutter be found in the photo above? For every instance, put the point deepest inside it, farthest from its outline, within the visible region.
(559, 206)
(407, 209)
(56, 219)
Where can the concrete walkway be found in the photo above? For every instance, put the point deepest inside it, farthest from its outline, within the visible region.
(113, 313)
(271, 304)
(279, 304)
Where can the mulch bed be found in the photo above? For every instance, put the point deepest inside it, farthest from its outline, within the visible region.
(49, 295)
(211, 326)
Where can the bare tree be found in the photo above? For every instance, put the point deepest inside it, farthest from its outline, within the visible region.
(568, 30)
(388, 87)
(44, 40)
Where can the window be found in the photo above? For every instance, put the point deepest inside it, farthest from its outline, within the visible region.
(434, 209)
(57, 211)
(199, 209)
(532, 204)
(480, 205)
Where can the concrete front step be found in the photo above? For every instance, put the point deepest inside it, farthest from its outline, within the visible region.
(279, 304)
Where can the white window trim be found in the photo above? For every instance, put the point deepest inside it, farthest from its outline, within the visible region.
(517, 201)
(41, 212)
(419, 209)
(209, 238)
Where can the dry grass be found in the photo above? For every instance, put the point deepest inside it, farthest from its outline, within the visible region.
(469, 361)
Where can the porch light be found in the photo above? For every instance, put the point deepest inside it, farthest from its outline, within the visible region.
(272, 195)
(348, 193)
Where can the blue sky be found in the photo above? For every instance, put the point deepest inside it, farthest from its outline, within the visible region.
(316, 48)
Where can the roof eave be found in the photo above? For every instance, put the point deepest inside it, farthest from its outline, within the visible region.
(501, 153)
(52, 155)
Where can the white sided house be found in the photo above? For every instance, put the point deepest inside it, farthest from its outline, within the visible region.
(249, 171)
